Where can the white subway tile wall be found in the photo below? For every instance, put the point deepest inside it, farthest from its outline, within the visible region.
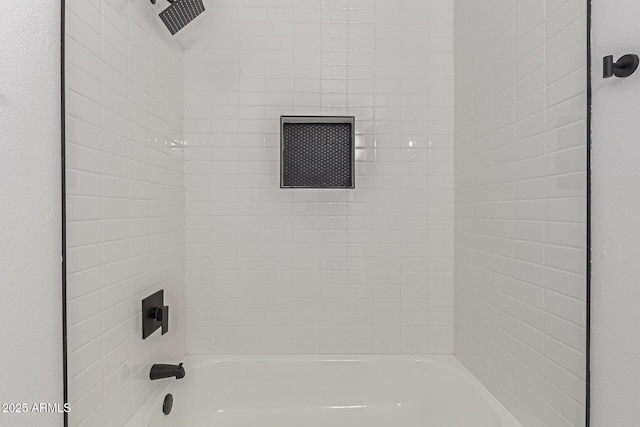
(125, 205)
(369, 270)
(520, 208)
(272, 270)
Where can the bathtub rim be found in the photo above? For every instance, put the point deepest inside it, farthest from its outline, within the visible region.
(153, 404)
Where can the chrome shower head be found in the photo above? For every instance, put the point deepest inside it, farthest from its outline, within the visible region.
(180, 13)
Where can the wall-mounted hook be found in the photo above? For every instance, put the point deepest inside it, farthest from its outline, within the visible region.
(624, 67)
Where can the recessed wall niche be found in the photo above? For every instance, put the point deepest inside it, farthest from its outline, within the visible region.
(317, 152)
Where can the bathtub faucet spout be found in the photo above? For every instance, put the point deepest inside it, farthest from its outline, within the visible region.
(166, 371)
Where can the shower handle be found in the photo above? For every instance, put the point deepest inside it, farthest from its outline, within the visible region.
(624, 67)
(161, 314)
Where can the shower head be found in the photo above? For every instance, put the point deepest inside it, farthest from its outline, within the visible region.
(180, 13)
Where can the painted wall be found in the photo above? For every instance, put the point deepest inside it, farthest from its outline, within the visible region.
(30, 284)
(520, 208)
(615, 152)
(306, 271)
(125, 203)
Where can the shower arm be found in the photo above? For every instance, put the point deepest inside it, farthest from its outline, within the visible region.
(170, 1)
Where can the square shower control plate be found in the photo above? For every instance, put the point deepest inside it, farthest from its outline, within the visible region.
(149, 323)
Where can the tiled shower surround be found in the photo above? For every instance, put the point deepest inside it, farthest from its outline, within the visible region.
(173, 183)
(520, 185)
(125, 203)
(272, 270)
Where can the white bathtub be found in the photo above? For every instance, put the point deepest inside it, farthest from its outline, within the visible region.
(320, 391)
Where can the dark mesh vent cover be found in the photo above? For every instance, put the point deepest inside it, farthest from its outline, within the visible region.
(317, 155)
(180, 13)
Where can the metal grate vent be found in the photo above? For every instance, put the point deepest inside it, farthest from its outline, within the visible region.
(180, 13)
(317, 152)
